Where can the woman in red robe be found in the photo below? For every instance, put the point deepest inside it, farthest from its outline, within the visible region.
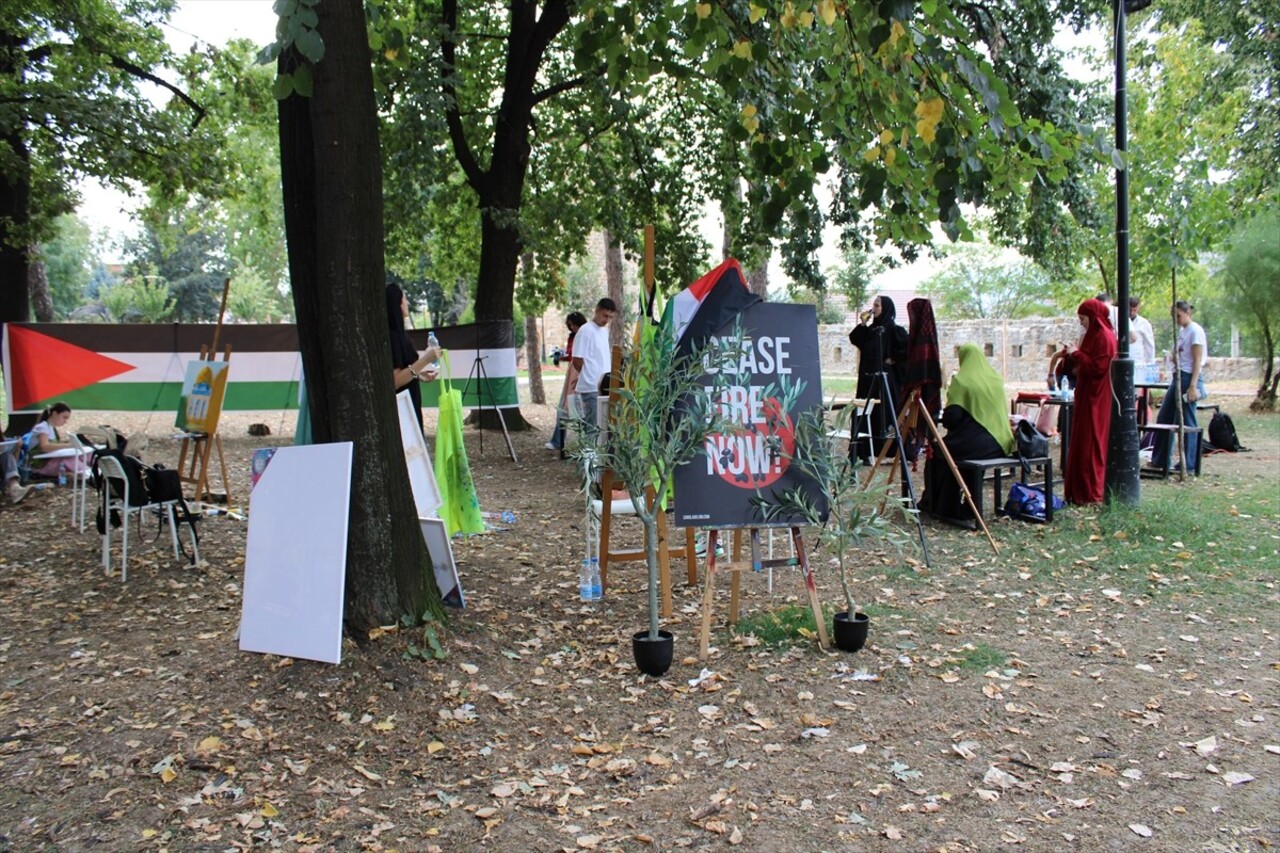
(1091, 422)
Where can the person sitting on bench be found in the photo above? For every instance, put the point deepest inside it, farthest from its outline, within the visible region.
(977, 422)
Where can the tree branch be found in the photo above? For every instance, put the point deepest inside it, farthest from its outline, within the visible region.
(561, 87)
(143, 74)
(457, 135)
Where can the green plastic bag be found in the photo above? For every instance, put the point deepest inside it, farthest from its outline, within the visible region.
(460, 506)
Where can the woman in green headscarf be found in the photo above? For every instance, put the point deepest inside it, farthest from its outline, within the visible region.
(977, 422)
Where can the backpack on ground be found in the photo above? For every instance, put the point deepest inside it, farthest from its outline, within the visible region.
(1222, 433)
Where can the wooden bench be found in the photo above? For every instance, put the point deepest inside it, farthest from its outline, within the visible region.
(1171, 430)
(997, 467)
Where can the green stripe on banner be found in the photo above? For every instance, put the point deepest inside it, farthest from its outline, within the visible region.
(494, 391)
(163, 397)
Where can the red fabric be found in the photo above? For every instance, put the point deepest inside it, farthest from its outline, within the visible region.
(1086, 472)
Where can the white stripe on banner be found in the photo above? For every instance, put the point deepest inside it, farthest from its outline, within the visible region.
(498, 363)
(172, 367)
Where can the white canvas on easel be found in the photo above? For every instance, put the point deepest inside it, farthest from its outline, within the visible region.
(417, 458)
(427, 500)
(296, 554)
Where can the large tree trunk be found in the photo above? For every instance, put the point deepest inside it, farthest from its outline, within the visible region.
(332, 180)
(613, 277)
(15, 210)
(533, 358)
(38, 286)
(758, 279)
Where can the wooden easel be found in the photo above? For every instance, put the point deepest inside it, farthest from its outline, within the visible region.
(907, 420)
(201, 444)
(736, 566)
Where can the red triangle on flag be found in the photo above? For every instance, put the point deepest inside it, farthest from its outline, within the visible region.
(42, 367)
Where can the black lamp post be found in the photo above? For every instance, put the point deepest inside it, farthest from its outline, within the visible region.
(1122, 482)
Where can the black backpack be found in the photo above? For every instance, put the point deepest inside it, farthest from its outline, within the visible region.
(147, 485)
(1222, 433)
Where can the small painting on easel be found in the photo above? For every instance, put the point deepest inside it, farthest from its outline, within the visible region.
(203, 388)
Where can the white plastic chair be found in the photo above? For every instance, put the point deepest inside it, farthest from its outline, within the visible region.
(114, 495)
(80, 482)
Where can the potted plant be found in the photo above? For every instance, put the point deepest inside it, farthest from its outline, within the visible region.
(660, 415)
(852, 514)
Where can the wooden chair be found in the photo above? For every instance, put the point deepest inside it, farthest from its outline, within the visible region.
(606, 507)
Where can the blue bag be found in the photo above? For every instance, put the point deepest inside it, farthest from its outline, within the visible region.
(1027, 502)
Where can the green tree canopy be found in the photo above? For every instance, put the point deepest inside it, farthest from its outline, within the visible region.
(74, 103)
(1251, 280)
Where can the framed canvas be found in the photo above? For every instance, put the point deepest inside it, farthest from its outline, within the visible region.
(203, 388)
(417, 458)
(446, 571)
(296, 554)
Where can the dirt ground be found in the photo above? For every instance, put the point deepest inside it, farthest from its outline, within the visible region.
(1047, 698)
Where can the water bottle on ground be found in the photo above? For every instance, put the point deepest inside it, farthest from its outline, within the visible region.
(597, 589)
(584, 580)
(62, 478)
(433, 341)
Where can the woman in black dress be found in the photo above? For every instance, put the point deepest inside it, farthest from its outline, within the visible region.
(883, 347)
(408, 368)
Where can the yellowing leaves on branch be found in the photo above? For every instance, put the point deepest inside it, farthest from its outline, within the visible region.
(928, 114)
(742, 49)
(749, 119)
(827, 11)
(703, 10)
(755, 13)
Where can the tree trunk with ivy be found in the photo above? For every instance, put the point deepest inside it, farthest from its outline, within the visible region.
(332, 179)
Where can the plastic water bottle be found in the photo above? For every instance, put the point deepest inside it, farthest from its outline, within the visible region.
(584, 580)
(433, 341)
(597, 590)
(62, 478)
(1062, 386)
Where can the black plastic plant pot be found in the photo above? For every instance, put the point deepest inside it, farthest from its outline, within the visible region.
(851, 634)
(653, 657)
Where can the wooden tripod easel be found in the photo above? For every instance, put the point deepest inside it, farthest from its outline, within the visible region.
(736, 566)
(201, 444)
(907, 420)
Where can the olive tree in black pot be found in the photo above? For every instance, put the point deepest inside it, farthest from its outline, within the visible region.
(852, 516)
(660, 416)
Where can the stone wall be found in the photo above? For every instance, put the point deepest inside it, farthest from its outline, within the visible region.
(1018, 349)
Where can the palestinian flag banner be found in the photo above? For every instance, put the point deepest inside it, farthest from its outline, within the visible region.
(141, 367)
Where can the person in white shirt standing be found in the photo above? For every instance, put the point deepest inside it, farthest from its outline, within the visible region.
(1187, 384)
(591, 360)
(1141, 333)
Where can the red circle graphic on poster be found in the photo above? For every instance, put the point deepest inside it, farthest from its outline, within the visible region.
(757, 455)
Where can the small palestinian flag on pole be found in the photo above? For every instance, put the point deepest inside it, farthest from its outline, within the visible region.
(699, 311)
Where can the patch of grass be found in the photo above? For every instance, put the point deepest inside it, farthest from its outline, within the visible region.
(1206, 537)
(783, 626)
(982, 657)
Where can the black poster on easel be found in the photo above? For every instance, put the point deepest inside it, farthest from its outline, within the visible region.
(780, 350)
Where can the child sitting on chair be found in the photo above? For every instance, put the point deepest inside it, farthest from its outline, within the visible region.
(47, 436)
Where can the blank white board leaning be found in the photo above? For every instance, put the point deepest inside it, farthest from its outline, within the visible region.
(296, 554)
(422, 475)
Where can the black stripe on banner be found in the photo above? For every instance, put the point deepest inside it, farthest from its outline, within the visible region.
(477, 336)
(171, 337)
